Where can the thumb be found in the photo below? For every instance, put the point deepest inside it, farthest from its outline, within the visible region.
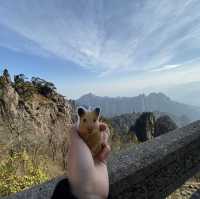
(79, 155)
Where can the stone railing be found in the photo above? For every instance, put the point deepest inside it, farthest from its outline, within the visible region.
(153, 169)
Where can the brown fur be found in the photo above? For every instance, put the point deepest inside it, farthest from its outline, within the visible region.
(89, 130)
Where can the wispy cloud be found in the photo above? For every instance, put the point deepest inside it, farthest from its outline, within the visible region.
(106, 36)
(166, 67)
(144, 83)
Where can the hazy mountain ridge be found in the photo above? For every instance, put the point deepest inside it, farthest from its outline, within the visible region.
(113, 106)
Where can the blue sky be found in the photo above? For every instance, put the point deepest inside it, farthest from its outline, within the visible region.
(113, 48)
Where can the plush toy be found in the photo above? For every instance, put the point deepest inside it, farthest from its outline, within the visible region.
(89, 129)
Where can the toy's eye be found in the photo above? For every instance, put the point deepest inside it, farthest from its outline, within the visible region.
(94, 120)
(84, 120)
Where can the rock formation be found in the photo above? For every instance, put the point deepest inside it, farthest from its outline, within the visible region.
(144, 127)
(32, 121)
(163, 125)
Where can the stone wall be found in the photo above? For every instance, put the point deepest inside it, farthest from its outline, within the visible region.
(151, 170)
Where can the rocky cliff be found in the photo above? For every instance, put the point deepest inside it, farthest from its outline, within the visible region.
(32, 120)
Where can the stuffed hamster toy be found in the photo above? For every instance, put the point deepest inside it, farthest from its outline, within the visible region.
(89, 129)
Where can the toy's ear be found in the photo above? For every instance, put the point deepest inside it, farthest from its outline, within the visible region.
(81, 111)
(97, 111)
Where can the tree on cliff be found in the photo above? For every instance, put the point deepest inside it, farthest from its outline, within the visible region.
(44, 87)
(20, 78)
(6, 75)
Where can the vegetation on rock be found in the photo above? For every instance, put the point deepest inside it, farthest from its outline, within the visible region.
(163, 125)
(18, 172)
(43, 87)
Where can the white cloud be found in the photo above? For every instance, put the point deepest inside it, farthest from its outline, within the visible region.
(108, 36)
(154, 81)
(167, 67)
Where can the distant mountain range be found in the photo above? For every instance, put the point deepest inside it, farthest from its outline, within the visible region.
(113, 106)
(188, 93)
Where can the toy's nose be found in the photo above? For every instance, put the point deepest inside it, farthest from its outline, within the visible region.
(89, 128)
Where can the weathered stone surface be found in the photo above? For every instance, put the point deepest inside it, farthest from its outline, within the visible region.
(152, 170)
(156, 168)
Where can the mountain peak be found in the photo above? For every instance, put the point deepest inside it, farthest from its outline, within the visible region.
(88, 95)
(160, 95)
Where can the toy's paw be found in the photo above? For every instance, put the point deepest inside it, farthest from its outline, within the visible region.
(102, 126)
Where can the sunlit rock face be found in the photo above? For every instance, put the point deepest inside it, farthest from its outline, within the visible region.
(40, 122)
(8, 97)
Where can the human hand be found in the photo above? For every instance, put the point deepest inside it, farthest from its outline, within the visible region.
(88, 177)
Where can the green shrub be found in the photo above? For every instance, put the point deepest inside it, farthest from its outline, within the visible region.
(18, 173)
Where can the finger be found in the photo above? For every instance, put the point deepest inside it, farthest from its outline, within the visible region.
(76, 141)
(104, 153)
(104, 137)
(74, 134)
(80, 159)
(78, 147)
(103, 126)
